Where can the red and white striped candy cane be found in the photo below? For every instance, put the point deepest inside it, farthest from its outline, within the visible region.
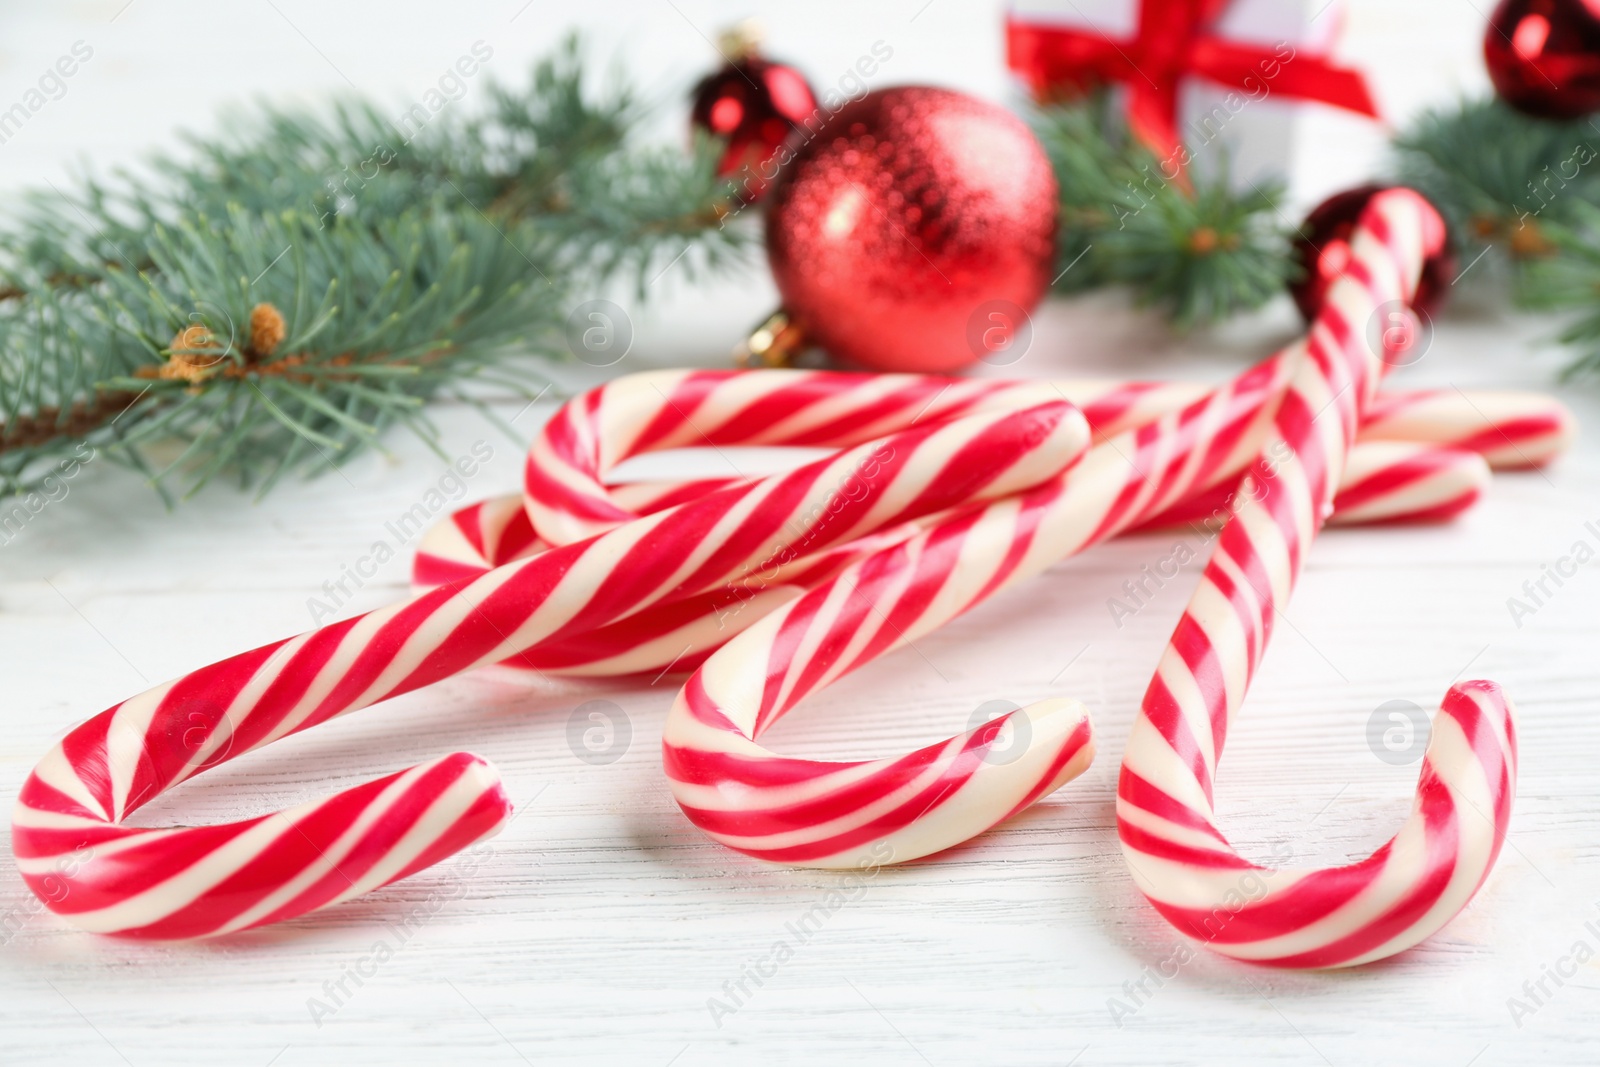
(923, 544)
(567, 495)
(1512, 430)
(831, 814)
(630, 416)
(181, 882)
(1383, 482)
(1433, 478)
(1178, 855)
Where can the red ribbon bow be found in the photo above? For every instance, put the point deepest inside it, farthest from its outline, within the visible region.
(1174, 41)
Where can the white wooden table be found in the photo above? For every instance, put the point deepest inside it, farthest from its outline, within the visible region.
(600, 924)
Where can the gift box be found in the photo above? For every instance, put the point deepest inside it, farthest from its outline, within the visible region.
(1235, 75)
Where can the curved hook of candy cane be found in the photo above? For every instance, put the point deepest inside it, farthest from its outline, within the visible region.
(567, 497)
(565, 493)
(182, 882)
(685, 629)
(823, 813)
(826, 813)
(1178, 856)
(769, 806)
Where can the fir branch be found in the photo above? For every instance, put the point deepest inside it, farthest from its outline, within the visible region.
(416, 302)
(631, 219)
(1501, 179)
(1569, 278)
(1522, 198)
(391, 260)
(1201, 253)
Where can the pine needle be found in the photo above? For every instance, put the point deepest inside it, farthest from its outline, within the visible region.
(459, 253)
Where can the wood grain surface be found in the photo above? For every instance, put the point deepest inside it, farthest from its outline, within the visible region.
(600, 927)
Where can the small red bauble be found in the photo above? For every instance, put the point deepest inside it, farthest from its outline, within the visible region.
(1322, 250)
(753, 104)
(914, 231)
(1544, 56)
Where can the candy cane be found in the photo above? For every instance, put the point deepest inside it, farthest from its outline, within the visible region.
(827, 814)
(894, 549)
(181, 882)
(1178, 855)
(1384, 482)
(567, 497)
(647, 412)
(831, 814)
(1512, 430)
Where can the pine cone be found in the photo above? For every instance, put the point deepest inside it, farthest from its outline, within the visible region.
(194, 355)
(267, 330)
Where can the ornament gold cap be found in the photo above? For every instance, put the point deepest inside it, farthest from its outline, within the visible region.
(740, 41)
(774, 343)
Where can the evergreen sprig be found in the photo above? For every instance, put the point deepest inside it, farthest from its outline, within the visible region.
(272, 298)
(1522, 197)
(1568, 279)
(1505, 182)
(1195, 247)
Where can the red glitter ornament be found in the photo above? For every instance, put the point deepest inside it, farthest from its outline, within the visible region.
(753, 104)
(1544, 56)
(1322, 250)
(914, 232)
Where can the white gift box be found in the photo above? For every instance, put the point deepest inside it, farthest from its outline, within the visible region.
(1253, 129)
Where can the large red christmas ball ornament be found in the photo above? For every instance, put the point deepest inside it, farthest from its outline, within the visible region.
(753, 104)
(914, 231)
(1322, 251)
(1544, 56)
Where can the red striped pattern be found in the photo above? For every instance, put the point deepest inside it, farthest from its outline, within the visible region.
(825, 813)
(1177, 854)
(1455, 433)
(179, 882)
(939, 493)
